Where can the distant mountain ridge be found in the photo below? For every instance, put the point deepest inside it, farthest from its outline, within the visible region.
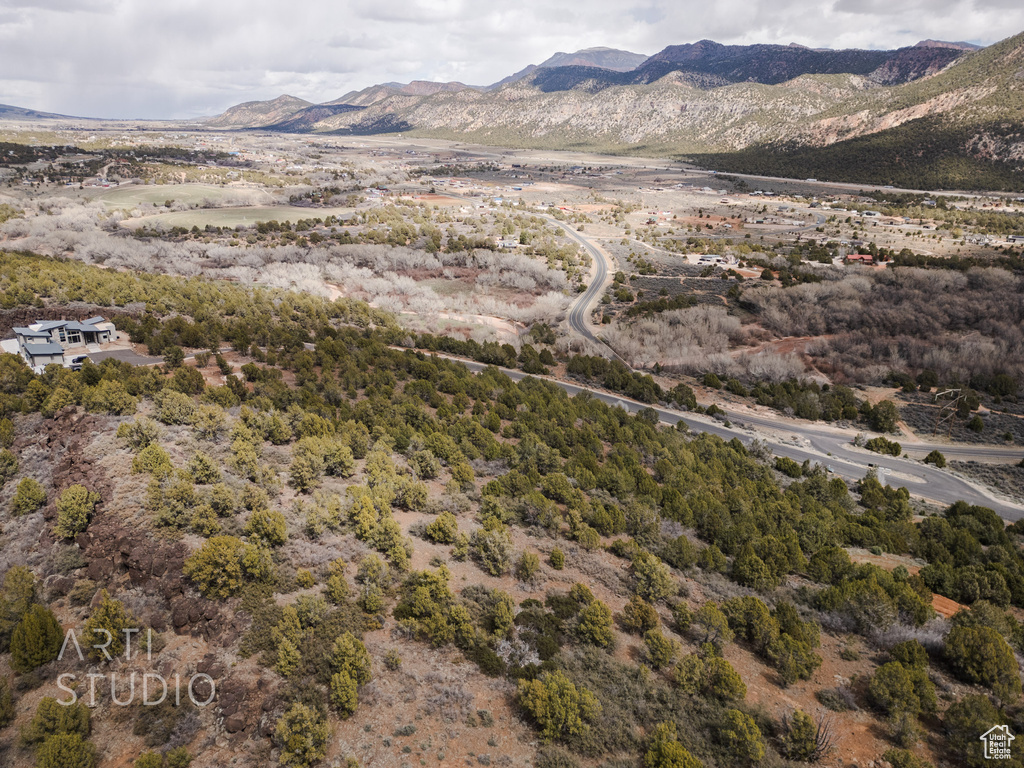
(604, 58)
(252, 114)
(703, 65)
(7, 112)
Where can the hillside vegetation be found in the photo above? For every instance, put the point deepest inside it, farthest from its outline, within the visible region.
(361, 544)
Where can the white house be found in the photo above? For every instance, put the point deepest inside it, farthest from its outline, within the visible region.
(44, 342)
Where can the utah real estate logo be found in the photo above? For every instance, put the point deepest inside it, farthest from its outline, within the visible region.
(997, 742)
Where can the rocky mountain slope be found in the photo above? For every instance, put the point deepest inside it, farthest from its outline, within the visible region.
(709, 98)
(668, 99)
(605, 58)
(254, 114)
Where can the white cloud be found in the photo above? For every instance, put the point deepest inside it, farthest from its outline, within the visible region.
(137, 58)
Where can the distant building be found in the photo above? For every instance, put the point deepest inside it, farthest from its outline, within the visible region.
(860, 258)
(45, 342)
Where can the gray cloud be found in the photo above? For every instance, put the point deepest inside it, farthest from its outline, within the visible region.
(137, 58)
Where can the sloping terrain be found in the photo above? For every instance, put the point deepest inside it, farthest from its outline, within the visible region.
(255, 114)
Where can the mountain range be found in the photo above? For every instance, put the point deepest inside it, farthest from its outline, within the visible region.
(936, 114)
(705, 65)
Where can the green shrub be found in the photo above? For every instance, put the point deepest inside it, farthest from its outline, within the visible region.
(392, 660)
(425, 465)
(711, 625)
(798, 738)
(638, 616)
(892, 690)
(527, 566)
(305, 472)
(594, 624)
(110, 616)
(793, 658)
(7, 710)
(349, 655)
(175, 407)
(709, 676)
(659, 651)
(16, 597)
(682, 617)
(224, 564)
(741, 737)
(52, 718)
(209, 422)
(336, 587)
(304, 578)
(558, 707)
(788, 467)
(202, 469)
(910, 654)
(981, 655)
(963, 721)
(492, 549)
(302, 733)
(443, 529)
(29, 497)
(557, 559)
(664, 750)
(81, 593)
(884, 446)
(6, 432)
(936, 458)
(139, 433)
(74, 508)
(66, 750)
(111, 397)
(152, 460)
(652, 580)
(8, 466)
(344, 694)
(268, 526)
(36, 640)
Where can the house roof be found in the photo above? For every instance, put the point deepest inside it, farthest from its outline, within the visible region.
(50, 324)
(94, 320)
(88, 327)
(44, 349)
(30, 332)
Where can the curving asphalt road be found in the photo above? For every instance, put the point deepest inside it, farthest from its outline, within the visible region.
(579, 312)
(819, 446)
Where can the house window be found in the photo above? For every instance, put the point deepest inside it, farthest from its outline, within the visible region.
(60, 332)
(74, 337)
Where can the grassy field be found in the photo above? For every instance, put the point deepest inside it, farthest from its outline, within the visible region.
(234, 217)
(191, 194)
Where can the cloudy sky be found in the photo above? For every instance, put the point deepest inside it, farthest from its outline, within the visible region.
(186, 58)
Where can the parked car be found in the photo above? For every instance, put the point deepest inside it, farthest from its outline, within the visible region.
(76, 362)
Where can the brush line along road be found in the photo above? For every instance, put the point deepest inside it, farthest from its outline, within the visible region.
(818, 446)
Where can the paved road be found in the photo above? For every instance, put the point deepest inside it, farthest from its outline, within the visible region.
(126, 356)
(579, 312)
(810, 443)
